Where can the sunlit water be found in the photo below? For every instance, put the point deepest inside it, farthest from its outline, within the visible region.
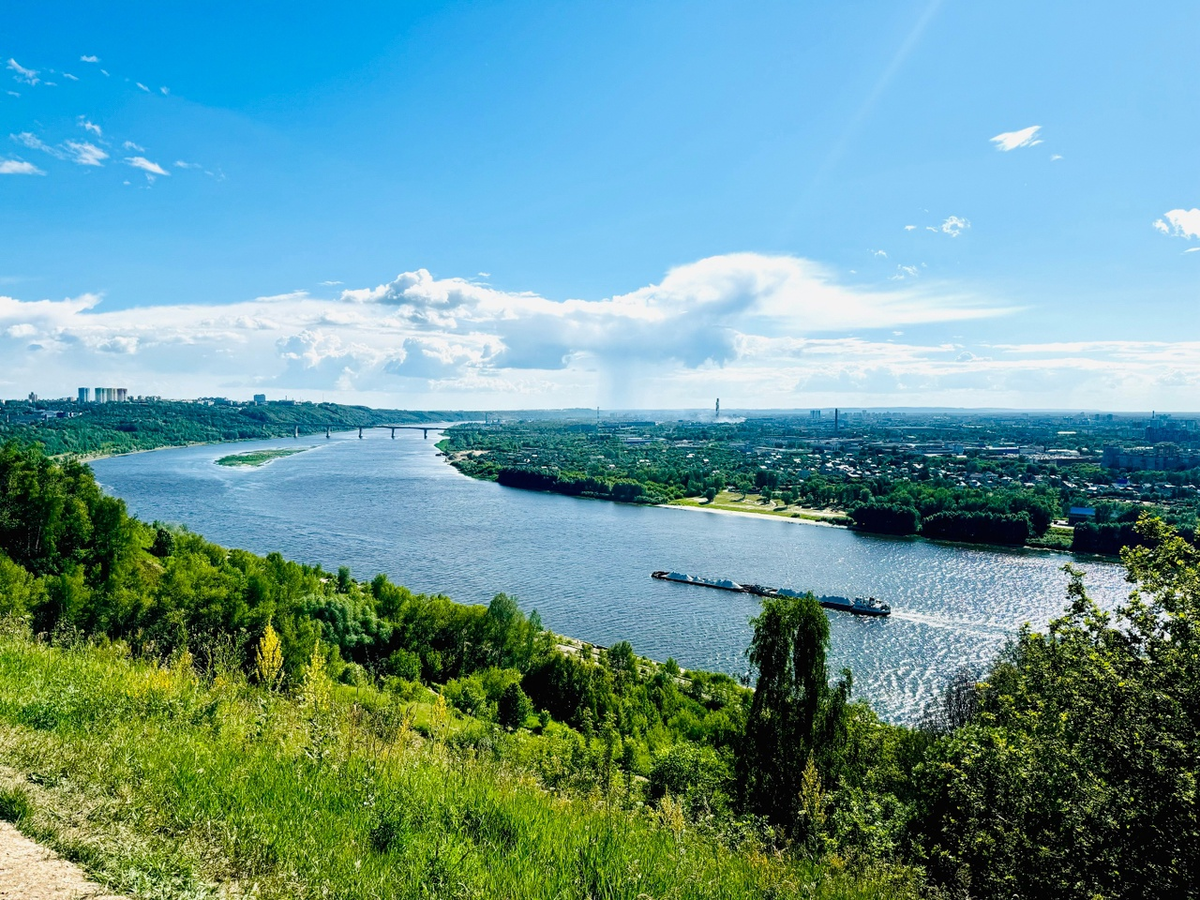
(382, 505)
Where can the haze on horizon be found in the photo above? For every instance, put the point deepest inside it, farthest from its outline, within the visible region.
(502, 205)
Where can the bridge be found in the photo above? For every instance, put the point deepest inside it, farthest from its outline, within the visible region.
(424, 429)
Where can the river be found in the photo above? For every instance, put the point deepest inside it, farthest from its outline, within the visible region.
(394, 506)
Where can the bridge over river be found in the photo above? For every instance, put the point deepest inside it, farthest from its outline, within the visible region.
(424, 429)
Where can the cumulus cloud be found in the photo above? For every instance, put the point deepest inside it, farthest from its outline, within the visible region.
(22, 74)
(1184, 223)
(130, 145)
(150, 168)
(758, 327)
(87, 125)
(89, 59)
(419, 332)
(18, 167)
(1012, 140)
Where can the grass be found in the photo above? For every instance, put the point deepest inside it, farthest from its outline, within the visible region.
(1058, 537)
(733, 501)
(259, 457)
(167, 784)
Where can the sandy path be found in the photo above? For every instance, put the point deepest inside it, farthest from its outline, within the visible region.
(31, 872)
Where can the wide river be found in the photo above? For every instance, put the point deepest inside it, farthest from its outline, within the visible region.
(394, 506)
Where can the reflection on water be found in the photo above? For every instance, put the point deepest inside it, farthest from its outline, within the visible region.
(382, 505)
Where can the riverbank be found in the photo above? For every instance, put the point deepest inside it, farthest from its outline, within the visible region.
(794, 518)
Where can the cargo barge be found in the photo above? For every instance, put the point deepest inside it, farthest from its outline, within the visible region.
(859, 606)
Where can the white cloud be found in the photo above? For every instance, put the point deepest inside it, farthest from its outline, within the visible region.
(1192, 250)
(84, 153)
(33, 142)
(151, 168)
(130, 145)
(89, 59)
(69, 75)
(104, 72)
(1055, 157)
(330, 283)
(910, 227)
(910, 271)
(742, 316)
(164, 91)
(90, 126)
(142, 86)
(882, 253)
(21, 74)
(18, 167)
(183, 164)
(755, 327)
(1011, 140)
(1184, 223)
(953, 226)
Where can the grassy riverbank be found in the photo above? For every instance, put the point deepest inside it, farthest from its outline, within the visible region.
(166, 782)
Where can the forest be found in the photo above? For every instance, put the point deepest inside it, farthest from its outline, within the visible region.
(1067, 768)
(104, 429)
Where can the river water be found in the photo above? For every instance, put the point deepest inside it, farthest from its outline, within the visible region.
(394, 506)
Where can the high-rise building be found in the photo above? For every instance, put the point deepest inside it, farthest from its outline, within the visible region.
(85, 395)
(260, 399)
(101, 394)
(122, 395)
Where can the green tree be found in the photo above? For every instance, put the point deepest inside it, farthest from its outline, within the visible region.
(795, 716)
(513, 707)
(1076, 776)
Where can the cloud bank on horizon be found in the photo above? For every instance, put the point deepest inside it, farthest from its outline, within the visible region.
(771, 331)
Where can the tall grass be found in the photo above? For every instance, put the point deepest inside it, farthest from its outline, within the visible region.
(167, 784)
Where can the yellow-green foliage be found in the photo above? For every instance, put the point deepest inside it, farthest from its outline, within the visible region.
(165, 785)
(268, 660)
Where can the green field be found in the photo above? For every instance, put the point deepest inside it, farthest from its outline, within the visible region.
(259, 457)
(734, 501)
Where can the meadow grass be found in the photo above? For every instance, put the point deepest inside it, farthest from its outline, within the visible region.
(167, 784)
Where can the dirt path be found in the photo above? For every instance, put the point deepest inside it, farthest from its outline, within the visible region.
(31, 872)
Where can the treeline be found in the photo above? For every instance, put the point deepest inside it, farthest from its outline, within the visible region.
(577, 484)
(108, 428)
(1007, 517)
(1077, 749)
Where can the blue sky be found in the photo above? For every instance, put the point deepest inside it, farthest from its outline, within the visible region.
(625, 204)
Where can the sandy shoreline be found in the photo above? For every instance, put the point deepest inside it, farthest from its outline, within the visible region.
(755, 515)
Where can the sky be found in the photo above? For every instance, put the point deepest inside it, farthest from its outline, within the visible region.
(648, 204)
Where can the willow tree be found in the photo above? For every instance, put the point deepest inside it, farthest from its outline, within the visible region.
(797, 722)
